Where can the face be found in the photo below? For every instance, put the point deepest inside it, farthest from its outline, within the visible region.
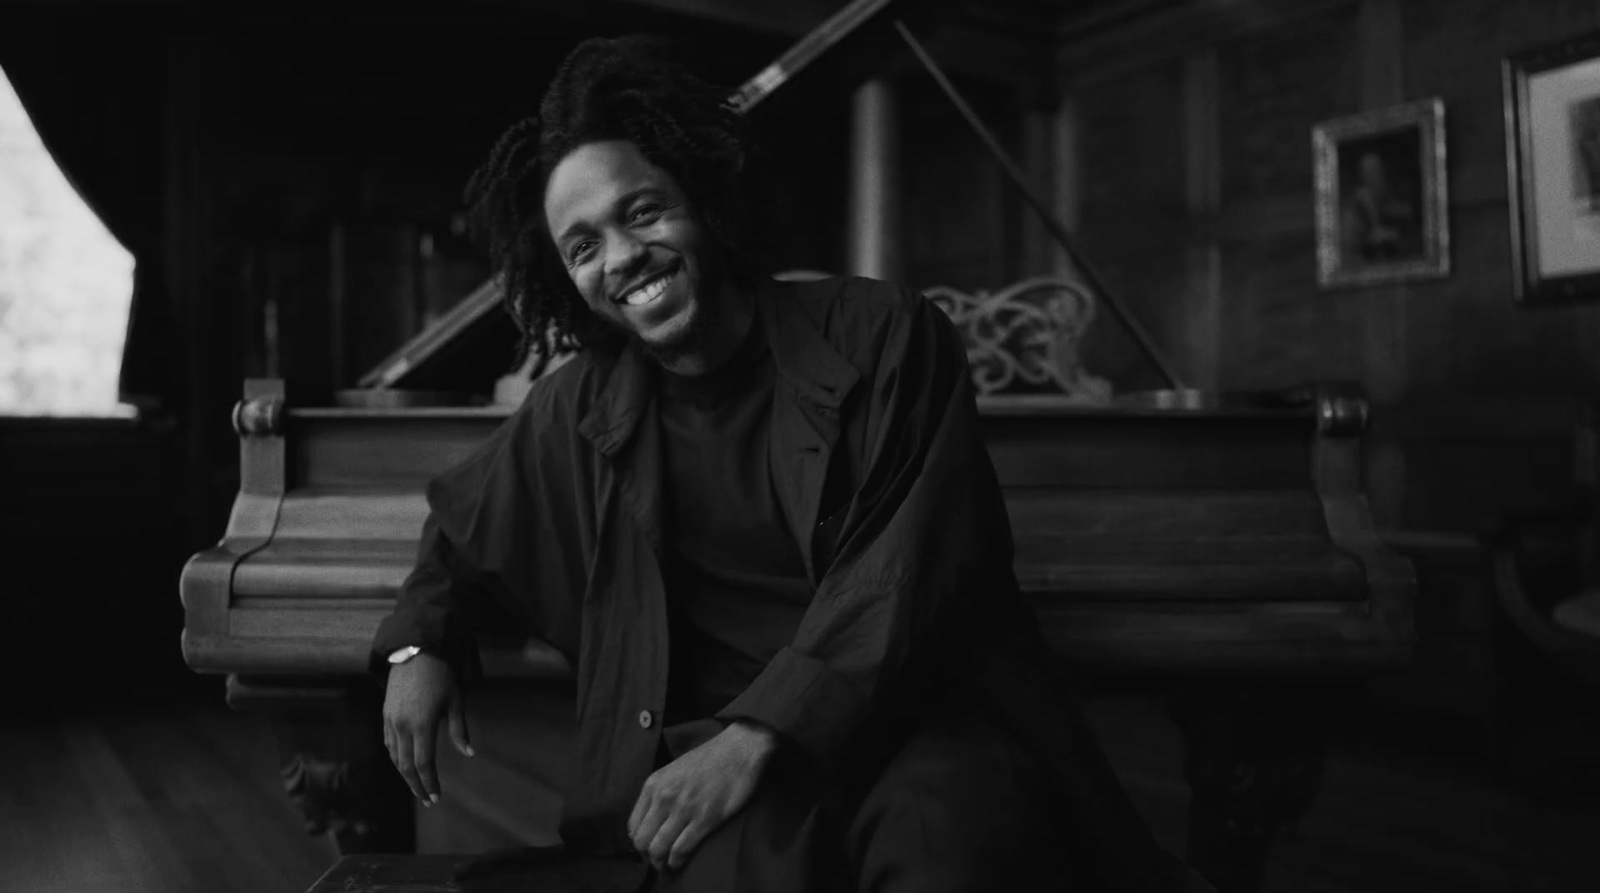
(632, 246)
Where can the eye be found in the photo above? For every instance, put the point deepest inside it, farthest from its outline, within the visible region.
(645, 212)
(577, 250)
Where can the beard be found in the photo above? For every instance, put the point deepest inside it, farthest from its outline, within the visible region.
(694, 331)
(688, 339)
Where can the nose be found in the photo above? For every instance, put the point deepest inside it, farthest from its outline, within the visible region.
(624, 254)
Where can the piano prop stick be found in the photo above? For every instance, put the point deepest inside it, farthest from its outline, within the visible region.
(1058, 232)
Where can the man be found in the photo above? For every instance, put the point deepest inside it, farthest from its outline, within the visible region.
(759, 520)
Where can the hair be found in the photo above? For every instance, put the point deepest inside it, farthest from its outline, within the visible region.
(630, 88)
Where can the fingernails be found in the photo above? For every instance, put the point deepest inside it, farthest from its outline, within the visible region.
(433, 799)
(470, 751)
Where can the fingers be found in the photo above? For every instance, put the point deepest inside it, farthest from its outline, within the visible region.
(458, 729)
(422, 746)
(685, 845)
(661, 846)
(665, 829)
(408, 769)
(649, 823)
(640, 807)
(419, 695)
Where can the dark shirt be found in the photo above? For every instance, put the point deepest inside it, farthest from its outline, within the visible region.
(736, 580)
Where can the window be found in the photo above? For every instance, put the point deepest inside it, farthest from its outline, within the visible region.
(65, 285)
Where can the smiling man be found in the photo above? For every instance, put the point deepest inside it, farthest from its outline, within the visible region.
(639, 259)
(759, 520)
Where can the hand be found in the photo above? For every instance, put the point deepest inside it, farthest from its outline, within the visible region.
(421, 692)
(692, 796)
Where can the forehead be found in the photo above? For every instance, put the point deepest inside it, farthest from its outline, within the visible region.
(589, 182)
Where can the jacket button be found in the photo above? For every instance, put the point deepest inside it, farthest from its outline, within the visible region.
(645, 719)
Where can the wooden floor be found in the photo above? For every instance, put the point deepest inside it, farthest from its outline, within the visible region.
(185, 797)
(155, 797)
(1405, 807)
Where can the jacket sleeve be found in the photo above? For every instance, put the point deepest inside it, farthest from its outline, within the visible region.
(484, 543)
(439, 604)
(925, 544)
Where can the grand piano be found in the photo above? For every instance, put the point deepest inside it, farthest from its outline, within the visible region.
(1216, 548)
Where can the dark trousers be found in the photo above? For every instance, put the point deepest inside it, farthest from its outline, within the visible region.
(959, 806)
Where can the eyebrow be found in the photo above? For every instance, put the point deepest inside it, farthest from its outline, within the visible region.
(622, 201)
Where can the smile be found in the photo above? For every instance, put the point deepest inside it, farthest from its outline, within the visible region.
(648, 292)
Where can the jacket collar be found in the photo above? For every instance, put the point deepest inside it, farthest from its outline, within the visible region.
(811, 367)
(614, 416)
(805, 360)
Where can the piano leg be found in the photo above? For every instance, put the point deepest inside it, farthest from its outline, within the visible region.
(333, 763)
(1253, 761)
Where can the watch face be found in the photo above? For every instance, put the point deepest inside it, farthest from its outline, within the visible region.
(404, 654)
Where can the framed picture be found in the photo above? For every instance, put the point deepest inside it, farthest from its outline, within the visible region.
(1381, 196)
(1552, 101)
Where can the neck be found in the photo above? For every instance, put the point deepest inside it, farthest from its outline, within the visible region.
(720, 339)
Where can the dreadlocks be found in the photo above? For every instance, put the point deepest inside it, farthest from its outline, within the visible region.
(628, 88)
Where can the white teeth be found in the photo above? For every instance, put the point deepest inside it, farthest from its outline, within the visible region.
(641, 296)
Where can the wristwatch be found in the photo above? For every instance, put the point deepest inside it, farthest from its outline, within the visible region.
(401, 655)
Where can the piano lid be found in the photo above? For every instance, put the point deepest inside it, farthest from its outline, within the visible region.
(475, 341)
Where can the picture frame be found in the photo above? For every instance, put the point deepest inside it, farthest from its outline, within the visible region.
(1381, 196)
(1552, 114)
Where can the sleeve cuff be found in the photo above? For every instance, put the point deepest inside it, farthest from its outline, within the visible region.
(429, 630)
(805, 702)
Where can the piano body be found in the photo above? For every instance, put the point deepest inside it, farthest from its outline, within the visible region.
(1221, 549)
(1218, 548)
(1209, 539)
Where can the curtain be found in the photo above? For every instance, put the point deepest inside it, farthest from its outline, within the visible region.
(93, 80)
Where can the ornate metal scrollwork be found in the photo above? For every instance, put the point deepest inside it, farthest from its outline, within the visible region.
(1024, 339)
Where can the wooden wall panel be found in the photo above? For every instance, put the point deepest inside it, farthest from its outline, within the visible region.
(1474, 398)
(1275, 85)
(1133, 216)
(957, 211)
(1278, 71)
(1468, 333)
(1279, 330)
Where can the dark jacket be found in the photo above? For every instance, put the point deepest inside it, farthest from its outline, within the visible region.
(876, 456)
